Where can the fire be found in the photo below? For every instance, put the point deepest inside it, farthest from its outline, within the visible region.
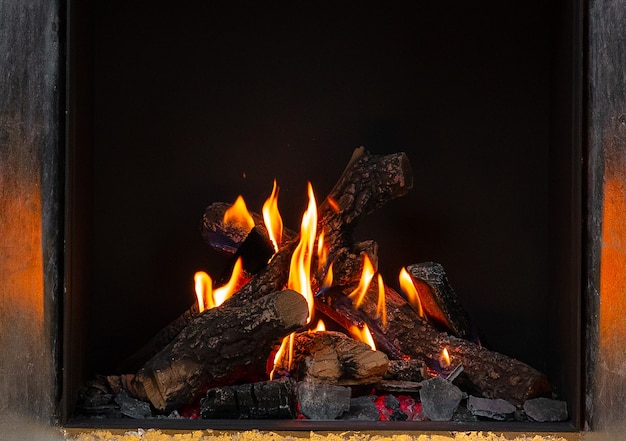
(300, 267)
(209, 298)
(444, 359)
(204, 285)
(366, 277)
(381, 306)
(285, 346)
(238, 216)
(363, 335)
(322, 262)
(273, 220)
(320, 326)
(408, 288)
(333, 204)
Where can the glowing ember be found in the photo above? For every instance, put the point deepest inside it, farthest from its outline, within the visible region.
(381, 306)
(444, 359)
(300, 267)
(272, 218)
(238, 216)
(408, 288)
(363, 335)
(366, 277)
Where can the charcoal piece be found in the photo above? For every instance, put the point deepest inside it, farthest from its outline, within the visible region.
(266, 399)
(439, 300)
(544, 409)
(398, 415)
(362, 408)
(323, 401)
(440, 399)
(463, 415)
(392, 402)
(132, 407)
(496, 409)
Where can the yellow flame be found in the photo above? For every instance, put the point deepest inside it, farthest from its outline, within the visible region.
(381, 306)
(320, 326)
(328, 278)
(221, 294)
(366, 277)
(238, 216)
(364, 335)
(300, 267)
(444, 360)
(285, 346)
(273, 220)
(410, 291)
(322, 262)
(203, 286)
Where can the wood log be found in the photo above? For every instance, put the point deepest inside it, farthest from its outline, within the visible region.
(439, 300)
(332, 358)
(260, 400)
(367, 183)
(217, 343)
(486, 373)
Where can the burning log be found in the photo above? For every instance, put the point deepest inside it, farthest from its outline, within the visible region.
(332, 358)
(440, 301)
(218, 343)
(487, 373)
(367, 183)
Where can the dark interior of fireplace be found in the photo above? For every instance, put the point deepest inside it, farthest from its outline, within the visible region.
(175, 107)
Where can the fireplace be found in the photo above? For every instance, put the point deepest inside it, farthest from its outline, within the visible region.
(174, 110)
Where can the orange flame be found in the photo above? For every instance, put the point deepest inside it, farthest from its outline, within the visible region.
(366, 277)
(408, 288)
(322, 261)
(381, 306)
(320, 326)
(364, 335)
(273, 220)
(238, 216)
(333, 204)
(444, 359)
(285, 346)
(208, 297)
(203, 286)
(300, 267)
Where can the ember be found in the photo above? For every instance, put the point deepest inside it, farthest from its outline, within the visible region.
(385, 357)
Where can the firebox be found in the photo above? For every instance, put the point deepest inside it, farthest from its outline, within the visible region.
(175, 108)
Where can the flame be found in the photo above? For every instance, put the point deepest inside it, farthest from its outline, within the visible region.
(203, 287)
(285, 346)
(381, 306)
(320, 326)
(273, 220)
(444, 359)
(363, 335)
(208, 297)
(238, 216)
(300, 267)
(366, 277)
(322, 261)
(410, 291)
(333, 204)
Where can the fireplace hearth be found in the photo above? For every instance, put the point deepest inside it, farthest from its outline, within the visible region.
(169, 126)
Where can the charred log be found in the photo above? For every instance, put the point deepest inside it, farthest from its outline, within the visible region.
(215, 344)
(487, 373)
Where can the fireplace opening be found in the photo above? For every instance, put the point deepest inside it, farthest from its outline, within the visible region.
(173, 109)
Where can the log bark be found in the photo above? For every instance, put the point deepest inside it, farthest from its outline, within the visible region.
(217, 343)
(487, 373)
